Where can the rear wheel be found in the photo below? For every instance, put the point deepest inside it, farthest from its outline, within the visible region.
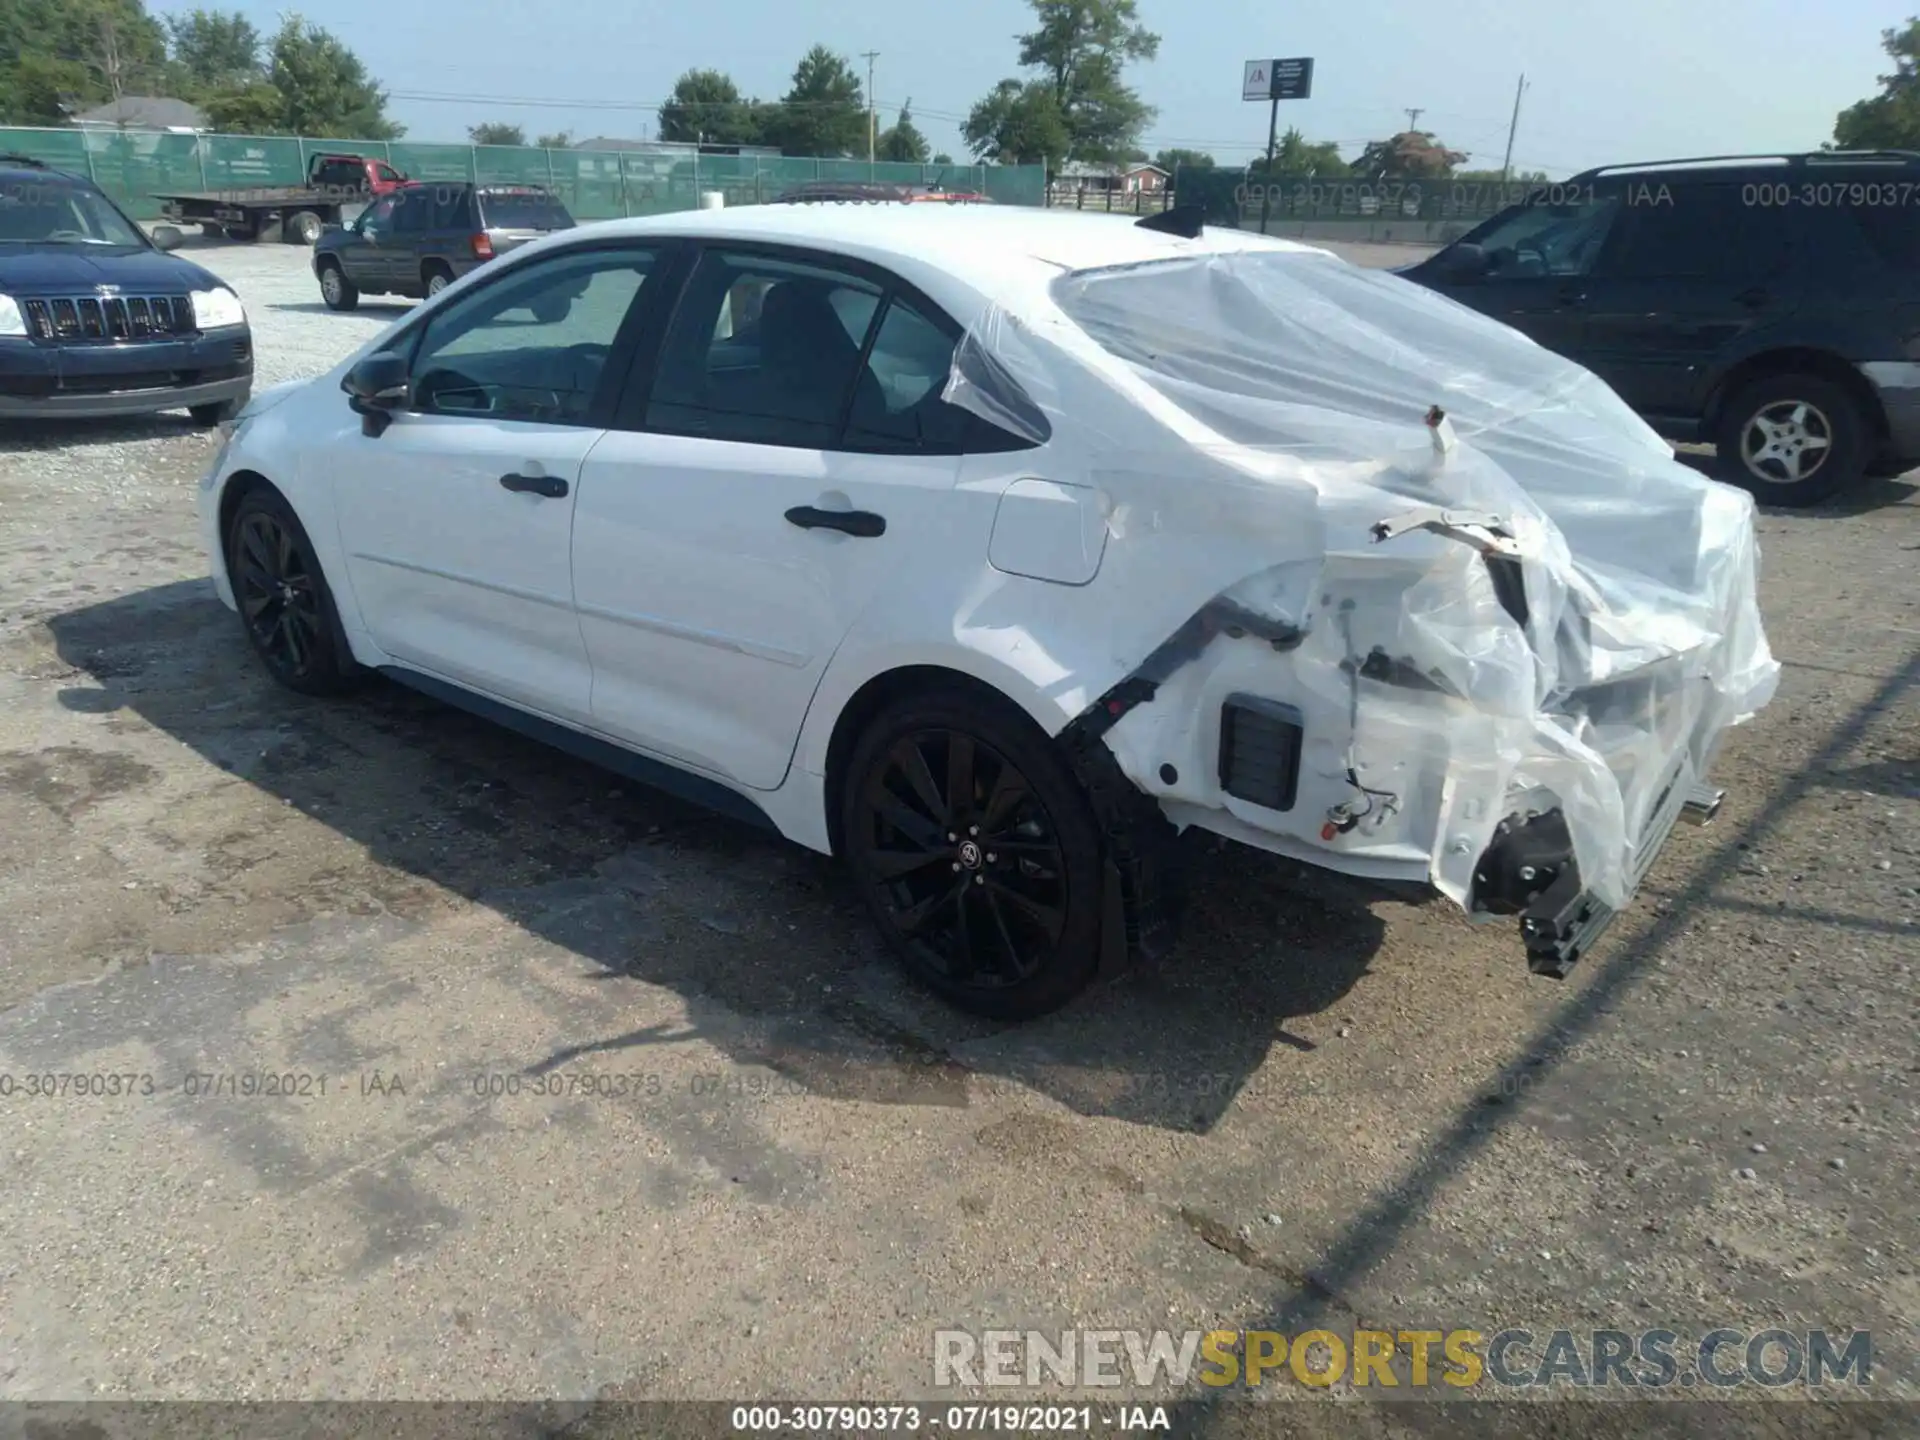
(302, 228)
(245, 233)
(977, 853)
(285, 605)
(437, 278)
(338, 291)
(1793, 439)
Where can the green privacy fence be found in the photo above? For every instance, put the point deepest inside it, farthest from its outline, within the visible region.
(133, 166)
(1236, 197)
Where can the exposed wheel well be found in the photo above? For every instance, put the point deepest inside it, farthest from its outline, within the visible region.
(868, 701)
(429, 268)
(1824, 363)
(239, 485)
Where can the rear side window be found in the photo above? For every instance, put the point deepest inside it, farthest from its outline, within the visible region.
(1891, 231)
(517, 211)
(1694, 232)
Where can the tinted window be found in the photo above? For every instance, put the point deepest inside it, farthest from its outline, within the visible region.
(379, 215)
(1892, 230)
(386, 172)
(908, 367)
(523, 212)
(1531, 241)
(762, 351)
(532, 346)
(412, 211)
(1695, 232)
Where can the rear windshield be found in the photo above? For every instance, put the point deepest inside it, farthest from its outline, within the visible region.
(523, 211)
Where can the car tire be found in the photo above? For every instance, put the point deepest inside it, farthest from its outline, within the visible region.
(219, 412)
(1793, 439)
(339, 292)
(977, 851)
(286, 607)
(302, 228)
(436, 278)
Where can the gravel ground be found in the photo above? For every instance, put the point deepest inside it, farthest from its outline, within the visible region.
(1329, 1108)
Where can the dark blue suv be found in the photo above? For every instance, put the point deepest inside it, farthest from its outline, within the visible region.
(96, 319)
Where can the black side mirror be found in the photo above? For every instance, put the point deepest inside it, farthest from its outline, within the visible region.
(376, 387)
(1462, 262)
(167, 237)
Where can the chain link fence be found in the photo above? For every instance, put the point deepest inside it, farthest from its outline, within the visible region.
(134, 166)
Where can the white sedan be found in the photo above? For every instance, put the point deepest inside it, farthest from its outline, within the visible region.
(990, 548)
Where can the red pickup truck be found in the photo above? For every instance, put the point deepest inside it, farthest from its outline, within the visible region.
(302, 211)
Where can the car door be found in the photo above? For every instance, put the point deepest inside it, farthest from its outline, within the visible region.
(457, 520)
(783, 461)
(1533, 267)
(1687, 276)
(365, 250)
(413, 219)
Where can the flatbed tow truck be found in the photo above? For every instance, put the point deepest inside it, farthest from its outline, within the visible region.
(301, 211)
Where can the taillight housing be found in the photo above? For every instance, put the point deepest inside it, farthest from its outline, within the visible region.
(482, 246)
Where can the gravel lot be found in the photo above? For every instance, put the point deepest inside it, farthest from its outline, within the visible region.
(1328, 1108)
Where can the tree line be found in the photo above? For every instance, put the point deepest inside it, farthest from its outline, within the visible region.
(60, 58)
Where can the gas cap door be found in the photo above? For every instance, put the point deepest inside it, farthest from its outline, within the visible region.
(1049, 530)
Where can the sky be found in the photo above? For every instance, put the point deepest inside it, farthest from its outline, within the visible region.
(1608, 80)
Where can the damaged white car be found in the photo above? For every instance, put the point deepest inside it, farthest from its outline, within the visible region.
(988, 549)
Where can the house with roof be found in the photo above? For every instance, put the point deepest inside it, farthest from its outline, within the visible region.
(1137, 178)
(144, 112)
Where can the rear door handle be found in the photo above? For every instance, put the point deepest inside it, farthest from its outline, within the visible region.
(549, 486)
(863, 523)
(1573, 295)
(1756, 297)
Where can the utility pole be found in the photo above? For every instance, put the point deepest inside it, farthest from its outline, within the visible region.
(1413, 118)
(1266, 189)
(870, 56)
(1506, 167)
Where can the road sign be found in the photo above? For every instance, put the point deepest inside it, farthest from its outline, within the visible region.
(1277, 80)
(1293, 79)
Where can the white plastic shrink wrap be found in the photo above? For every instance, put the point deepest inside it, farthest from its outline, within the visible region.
(1353, 449)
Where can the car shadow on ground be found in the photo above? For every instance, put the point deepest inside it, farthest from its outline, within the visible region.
(107, 430)
(320, 307)
(1876, 492)
(651, 889)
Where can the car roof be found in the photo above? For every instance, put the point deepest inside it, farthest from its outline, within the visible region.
(1705, 168)
(993, 250)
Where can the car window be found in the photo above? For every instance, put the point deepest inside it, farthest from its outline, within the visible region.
(763, 351)
(1531, 241)
(901, 410)
(523, 210)
(379, 215)
(56, 213)
(1891, 231)
(531, 346)
(412, 211)
(386, 173)
(1695, 232)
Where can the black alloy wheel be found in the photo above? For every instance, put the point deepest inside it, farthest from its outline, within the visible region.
(977, 853)
(283, 598)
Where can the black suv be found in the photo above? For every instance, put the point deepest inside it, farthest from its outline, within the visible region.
(1767, 305)
(96, 319)
(422, 237)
